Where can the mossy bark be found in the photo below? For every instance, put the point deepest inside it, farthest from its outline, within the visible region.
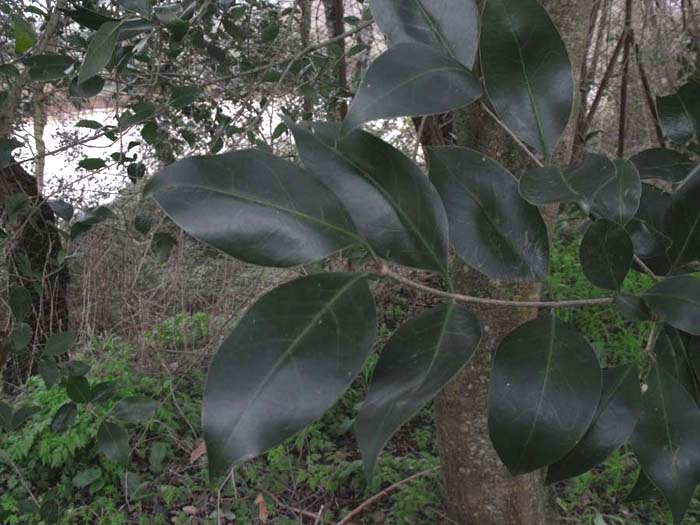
(479, 489)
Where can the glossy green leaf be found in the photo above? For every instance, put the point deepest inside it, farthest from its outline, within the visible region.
(286, 362)
(255, 207)
(617, 415)
(87, 18)
(135, 409)
(142, 7)
(673, 355)
(527, 72)
(680, 113)
(76, 368)
(113, 442)
(25, 37)
(392, 203)
(20, 301)
(78, 389)
(136, 114)
(184, 96)
(104, 391)
(411, 80)
(59, 344)
(492, 228)
(665, 440)
(88, 89)
(643, 489)
(647, 229)
(22, 414)
(90, 124)
(676, 300)
(89, 218)
(49, 371)
(663, 164)
(432, 22)
(92, 164)
(605, 188)
(544, 392)
(417, 362)
(62, 209)
(632, 307)
(683, 222)
(606, 254)
(100, 50)
(48, 67)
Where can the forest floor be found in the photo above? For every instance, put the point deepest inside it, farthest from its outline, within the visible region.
(316, 477)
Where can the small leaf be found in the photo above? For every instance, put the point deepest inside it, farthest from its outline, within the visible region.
(104, 391)
(632, 308)
(86, 477)
(64, 418)
(142, 7)
(676, 300)
(665, 440)
(617, 415)
(100, 50)
(184, 96)
(417, 362)
(544, 392)
(136, 409)
(411, 80)
(255, 207)
(49, 372)
(91, 124)
(136, 114)
(527, 72)
(286, 362)
(78, 389)
(62, 208)
(113, 442)
(492, 228)
(606, 254)
(20, 300)
(22, 414)
(159, 451)
(59, 344)
(663, 164)
(25, 37)
(21, 336)
(87, 89)
(92, 164)
(432, 22)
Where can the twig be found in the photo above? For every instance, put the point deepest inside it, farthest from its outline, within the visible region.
(649, 349)
(646, 269)
(519, 142)
(625, 80)
(391, 488)
(649, 97)
(574, 303)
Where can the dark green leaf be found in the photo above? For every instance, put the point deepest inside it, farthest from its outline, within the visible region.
(159, 451)
(89, 218)
(21, 336)
(451, 26)
(5, 416)
(22, 414)
(683, 222)
(680, 113)
(254, 206)
(672, 354)
(643, 489)
(20, 300)
(287, 361)
(632, 308)
(100, 50)
(48, 67)
(113, 442)
(663, 164)
(49, 372)
(162, 244)
(149, 133)
(104, 391)
(142, 7)
(617, 415)
(492, 228)
(92, 164)
(88, 89)
(143, 223)
(9, 70)
(544, 392)
(25, 37)
(92, 124)
(527, 73)
(417, 362)
(665, 440)
(62, 208)
(392, 203)
(49, 511)
(677, 301)
(86, 477)
(647, 228)
(75, 368)
(606, 254)
(78, 389)
(136, 114)
(87, 17)
(64, 417)
(184, 96)
(411, 80)
(59, 344)
(136, 409)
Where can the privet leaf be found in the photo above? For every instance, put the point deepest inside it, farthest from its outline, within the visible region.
(676, 300)
(100, 50)
(49, 371)
(411, 80)
(78, 389)
(142, 7)
(665, 440)
(432, 22)
(59, 344)
(606, 254)
(255, 207)
(417, 362)
(544, 392)
(287, 361)
(87, 89)
(683, 222)
(527, 72)
(617, 415)
(492, 229)
(64, 417)
(113, 442)
(663, 164)
(392, 203)
(680, 113)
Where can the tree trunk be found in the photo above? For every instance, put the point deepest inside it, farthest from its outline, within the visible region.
(479, 489)
(335, 23)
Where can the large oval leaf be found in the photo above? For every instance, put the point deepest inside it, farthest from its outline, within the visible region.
(417, 362)
(663, 164)
(527, 72)
(676, 300)
(411, 80)
(254, 206)
(544, 392)
(665, 440)
(673, 355)
(683, 222)
(100, 50)
(287, 361)
(492, 228)
(392, 203)
(606, 254)
(614, 423)
(680, 113)
(432, 22)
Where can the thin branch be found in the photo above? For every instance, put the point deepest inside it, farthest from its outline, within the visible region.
(649, 97)
(391, 488)
(625, 80)
(573, 303)
(519, 142)
(646, 269)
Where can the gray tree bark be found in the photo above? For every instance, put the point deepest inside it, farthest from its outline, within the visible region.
(479, 490)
